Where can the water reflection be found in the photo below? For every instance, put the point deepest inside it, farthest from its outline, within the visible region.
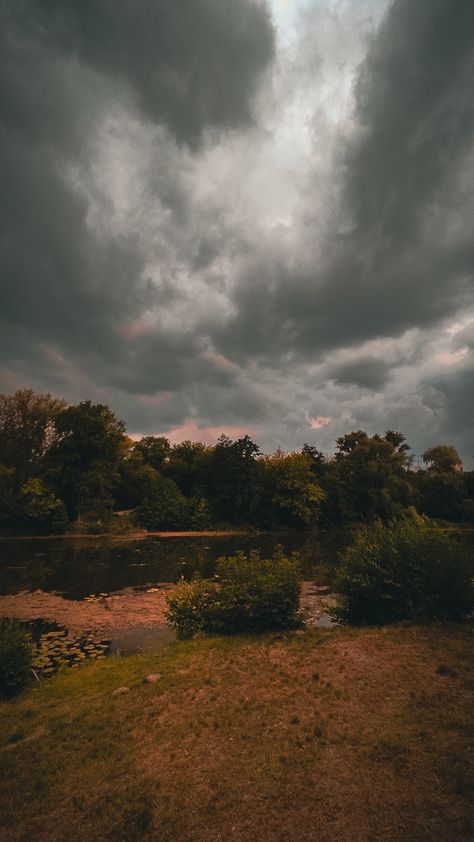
(136, 641)
(76, 569)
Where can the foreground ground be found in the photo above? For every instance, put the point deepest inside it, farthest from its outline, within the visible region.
(319, 735)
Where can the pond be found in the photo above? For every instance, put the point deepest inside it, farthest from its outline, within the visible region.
(90, 597)
(106, 596)
(79, 568)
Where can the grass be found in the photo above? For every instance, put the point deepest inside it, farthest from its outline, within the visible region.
(326, 735)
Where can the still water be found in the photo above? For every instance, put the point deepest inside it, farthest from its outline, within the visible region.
(88, 598)
(78, 568)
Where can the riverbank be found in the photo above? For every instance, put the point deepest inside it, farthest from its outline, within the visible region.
(128, 610)
(140, 534)
(133, 535)
(316, 735)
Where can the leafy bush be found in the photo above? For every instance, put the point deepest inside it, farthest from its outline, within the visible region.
(187, 606)
(250, 594)
(404, 571)
(16, 655)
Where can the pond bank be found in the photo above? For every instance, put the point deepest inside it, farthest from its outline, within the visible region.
(133, 535)
(128, 610)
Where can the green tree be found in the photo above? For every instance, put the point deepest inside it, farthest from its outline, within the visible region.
(154, 451)
(40, 510)
(164, 507)
(27, 430)
(83, 463)
(8, 497)
(444, 489)
(135, 481)
(370, 477)
(442, 459)
(187, 465)
(292, 494)
(232, 479)
(317, 459)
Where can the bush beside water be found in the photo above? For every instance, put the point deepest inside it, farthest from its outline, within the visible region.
(16, 654)
(248, 594)
(404, 571)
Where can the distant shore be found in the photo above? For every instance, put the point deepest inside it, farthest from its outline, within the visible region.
(136, 534)
(140, 534)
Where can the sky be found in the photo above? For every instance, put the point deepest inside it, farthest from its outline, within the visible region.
(242, 216)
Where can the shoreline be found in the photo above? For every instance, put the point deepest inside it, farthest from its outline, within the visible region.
(141, 534)
(130, 608)
(135, 535)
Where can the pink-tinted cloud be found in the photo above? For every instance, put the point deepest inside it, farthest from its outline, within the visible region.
(135, 328)
(319, 421)
(218, 360)
(208, 435)
(451, 358)
(11, 380)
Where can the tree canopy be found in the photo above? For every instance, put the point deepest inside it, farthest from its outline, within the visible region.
(61, 464)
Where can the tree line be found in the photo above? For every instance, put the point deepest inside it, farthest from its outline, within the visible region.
(62, 465)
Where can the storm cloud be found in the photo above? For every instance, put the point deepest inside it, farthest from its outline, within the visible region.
(242, 215)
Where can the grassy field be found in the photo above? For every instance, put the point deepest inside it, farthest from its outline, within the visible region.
(340, 735)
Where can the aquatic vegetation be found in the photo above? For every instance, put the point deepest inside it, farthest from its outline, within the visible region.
(56, 647)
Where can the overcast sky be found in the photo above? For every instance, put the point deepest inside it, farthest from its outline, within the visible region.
(231, 215)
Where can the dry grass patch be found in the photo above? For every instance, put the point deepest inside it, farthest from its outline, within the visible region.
(338, 735)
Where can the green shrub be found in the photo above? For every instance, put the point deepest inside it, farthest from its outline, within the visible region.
(255, 593)
(403, 571)
(250, 594)
(16, 655)
(187, 605)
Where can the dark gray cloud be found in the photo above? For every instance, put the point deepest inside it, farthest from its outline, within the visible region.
(452, 398)
(398, 251)
(196, 226)
(75, 284)
(192, 65)
(366, 373)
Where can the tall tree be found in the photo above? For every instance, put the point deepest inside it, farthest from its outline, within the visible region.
(293, 496)
(84, 461)
(232, 479)
(27, 430)
(369, 477)
(163, 507)
(186, 466)
(443, 485)
(443, 458)
(154, 450)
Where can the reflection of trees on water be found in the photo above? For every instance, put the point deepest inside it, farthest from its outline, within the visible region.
(79, 568)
